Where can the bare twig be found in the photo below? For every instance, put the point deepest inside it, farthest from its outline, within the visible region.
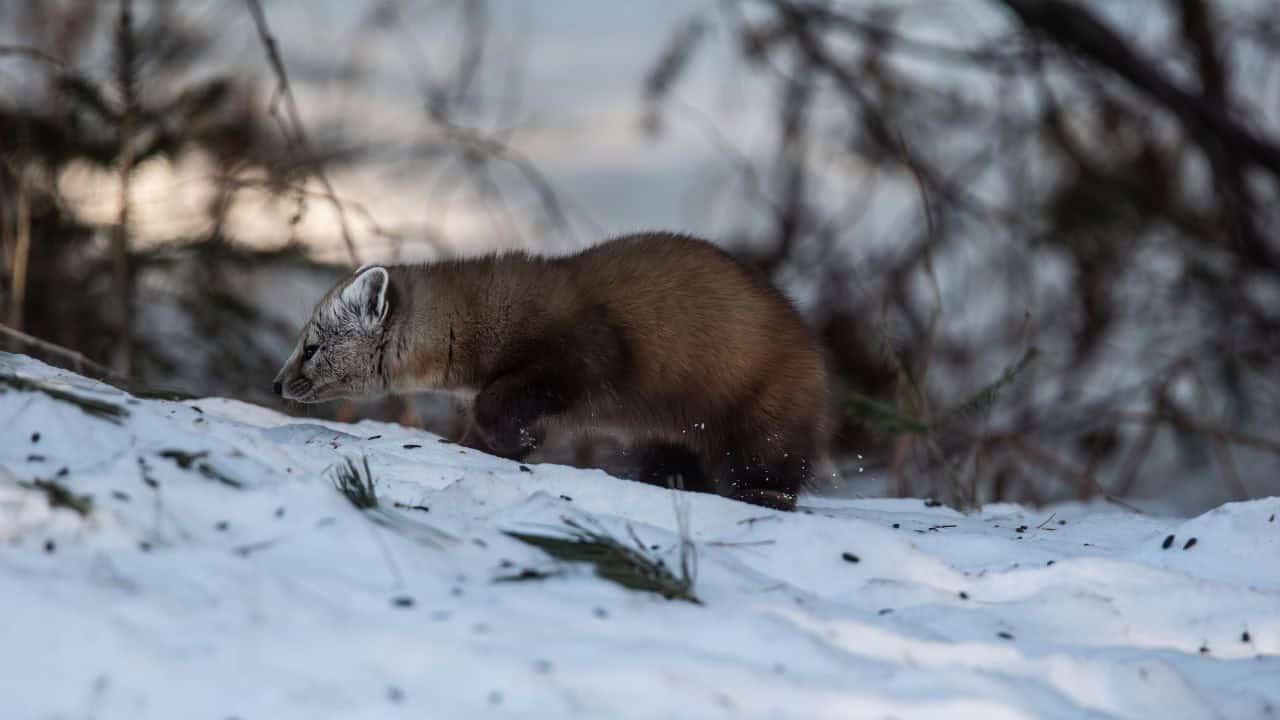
(126, 69)
(78, 362)
(285, 91)
(21, 250)
(33, 54)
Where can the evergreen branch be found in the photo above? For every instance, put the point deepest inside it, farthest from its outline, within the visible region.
(102, 409)
(985, 398)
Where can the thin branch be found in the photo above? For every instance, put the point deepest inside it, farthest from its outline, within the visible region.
(285, 91)
(32, 54)
(78, 361)
(1180, 420)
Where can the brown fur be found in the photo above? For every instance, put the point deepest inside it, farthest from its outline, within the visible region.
(661, 339)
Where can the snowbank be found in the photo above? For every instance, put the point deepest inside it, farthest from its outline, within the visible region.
(218, 573)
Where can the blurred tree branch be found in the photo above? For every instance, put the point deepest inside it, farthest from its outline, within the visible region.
(294, 130)
(1072, 176)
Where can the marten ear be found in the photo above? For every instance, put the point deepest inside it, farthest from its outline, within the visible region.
(366, 296)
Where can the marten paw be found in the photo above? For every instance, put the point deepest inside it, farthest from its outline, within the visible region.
(506, 438)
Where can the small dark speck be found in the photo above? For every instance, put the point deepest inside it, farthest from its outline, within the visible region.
(144, 546)
(600, 613)
(35, 437)
(542, 667)
(1272, 518)
(566, 498)
(1049, 563)
(395, 694)
(280, 512)
(374, 437)
(850, 557)
(446, 441)
(455, 591)
(1020, 528)
(150, 481)
(1244, 637)
(479, 542)
(198, 420)
(49, 546)
(932, 503)
(63, 472)
(1189, 544)
(964, 595)
(1062, 522)
(779, 668)
(1204, 649)
(654, 547)
(495, 698)
(33, 457)
(197, 409)
(120, 495)
(411, 446)
(1004, 635)
(896, 526)
(884, 611)
(402, 601)
(525, 468)
(222, 526)
(1168, 542)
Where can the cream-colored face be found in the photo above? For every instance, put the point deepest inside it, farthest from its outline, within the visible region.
(337, 354)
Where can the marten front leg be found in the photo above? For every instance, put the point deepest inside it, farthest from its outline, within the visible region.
(549, 376)
(508, 408)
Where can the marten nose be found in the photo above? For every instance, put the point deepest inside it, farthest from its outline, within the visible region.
(278, 387)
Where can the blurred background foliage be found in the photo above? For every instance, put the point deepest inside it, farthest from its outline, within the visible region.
(1039, 239)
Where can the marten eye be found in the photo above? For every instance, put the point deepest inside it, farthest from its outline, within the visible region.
(308, 351)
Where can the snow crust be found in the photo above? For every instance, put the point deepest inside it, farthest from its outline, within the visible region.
(245, 586)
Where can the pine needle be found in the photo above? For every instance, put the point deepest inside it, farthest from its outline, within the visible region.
(357, 486)
(182, 458)
(102, 409)
(59, 496)
(883, 417)
(355, 481)
(185, 460)
(526, 574)
(635, 568)
(984, 399)
(214, 473)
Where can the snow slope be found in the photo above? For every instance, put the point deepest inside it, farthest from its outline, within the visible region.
(245, 586)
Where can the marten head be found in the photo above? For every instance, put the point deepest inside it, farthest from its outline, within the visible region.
(338, 352)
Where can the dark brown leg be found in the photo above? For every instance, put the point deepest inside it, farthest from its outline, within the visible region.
(665, 463)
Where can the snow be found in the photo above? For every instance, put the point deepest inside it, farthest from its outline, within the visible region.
(267, 595)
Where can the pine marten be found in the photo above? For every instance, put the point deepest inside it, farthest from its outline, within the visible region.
(662, 340)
